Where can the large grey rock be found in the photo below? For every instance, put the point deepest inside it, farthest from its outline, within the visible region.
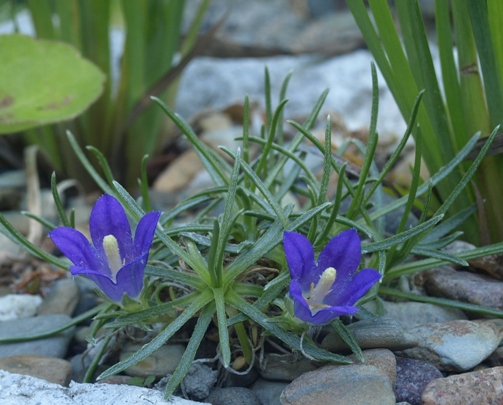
(219, 83)
(17, 389)
(463, 286)
(382, 359)
(376, 333)
(411, 314)
(354, 384)
(454, 345)
(54, 346)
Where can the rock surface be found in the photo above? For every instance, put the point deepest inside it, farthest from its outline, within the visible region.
(163, 361)
(223, 82)
(63, 297)
(412, 377)
(411, 314)
(349, 384)
(285, 367)
(17, 389)
(50, 369)
(54, 346)
(463, 286)
(233, 396)
(454, 345)
(14, 306)
(382, 359)
(269, 392)
(379, 332)
(475, 388)
(199, 381)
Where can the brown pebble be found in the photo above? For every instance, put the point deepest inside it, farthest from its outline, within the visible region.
(475, 388)
(51, 369)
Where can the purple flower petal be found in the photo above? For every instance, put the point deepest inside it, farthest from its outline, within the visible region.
(356, 288)
(103, 282)
(321, 295)
(144, 233)
(130, 277)
(77, 248)
(322, 316)
(343, 253)
(300, 257)
(109, 218)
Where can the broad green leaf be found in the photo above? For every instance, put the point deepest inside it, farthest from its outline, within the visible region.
(43, 82)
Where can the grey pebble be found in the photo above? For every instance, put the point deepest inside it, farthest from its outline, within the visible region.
(380, 332)
(54, 346)
(269, 392)
(233, 396)
(284, 367)
(62, 298)
(412, 377)
(199, 381)
(163, 361)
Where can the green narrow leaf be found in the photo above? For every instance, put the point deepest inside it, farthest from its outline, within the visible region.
(426, 264)
(290, 339)
(223, 332)
(435, 179)
(196, 305)
(19, 239)
(348, 338)
(498, 313)
(75, 321)
(57, 201)
(297, 140)
(262, 164)
(439, 255)
(402, 237)
(190, 351)
(144, 185)
(87, 164)
(261, 187)
(212, 165)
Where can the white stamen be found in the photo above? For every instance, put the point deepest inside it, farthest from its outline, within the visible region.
(320, 291)
(111, 248)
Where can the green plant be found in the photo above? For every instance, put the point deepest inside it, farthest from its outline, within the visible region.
(43, 82)
(469, 100)
(121, 123)
(230, 268)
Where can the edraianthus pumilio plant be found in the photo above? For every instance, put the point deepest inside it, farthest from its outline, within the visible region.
(328, 287)
(114, 261)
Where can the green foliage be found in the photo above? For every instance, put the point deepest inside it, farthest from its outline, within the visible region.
(43, 82)
(121, 123)
(469, 100)
(230, 267)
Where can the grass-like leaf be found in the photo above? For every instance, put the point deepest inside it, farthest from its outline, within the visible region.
(197, 304)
